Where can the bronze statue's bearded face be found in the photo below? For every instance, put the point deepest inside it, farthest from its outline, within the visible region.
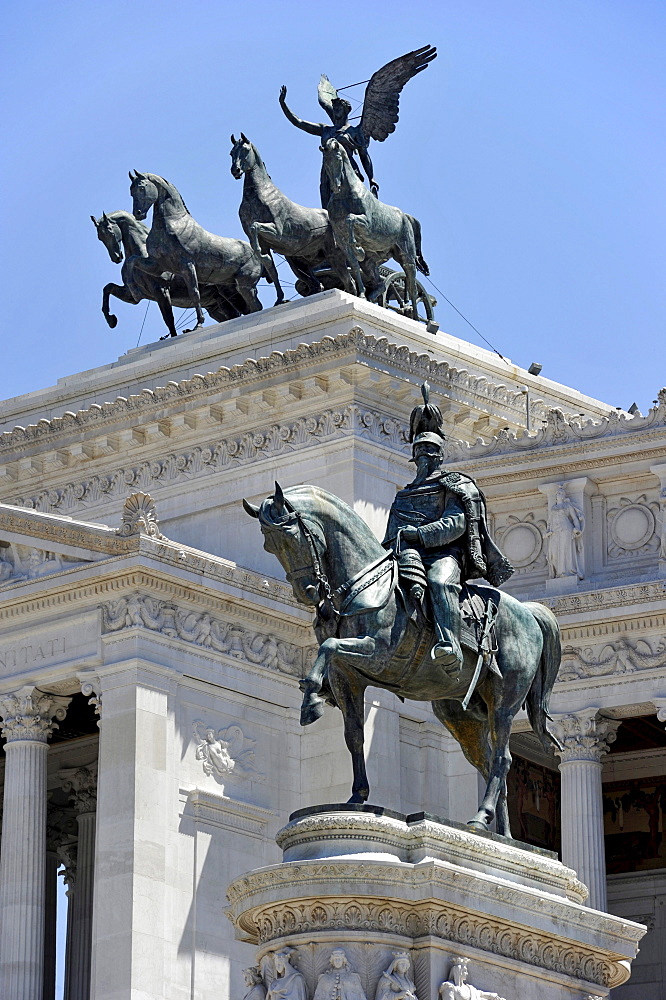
(427, 458)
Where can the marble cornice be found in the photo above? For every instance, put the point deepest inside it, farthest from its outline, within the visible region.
(118, 581)
(601, 601)
(96, 537)
(258, 386)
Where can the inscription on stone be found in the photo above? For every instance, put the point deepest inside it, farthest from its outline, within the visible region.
(22, 656)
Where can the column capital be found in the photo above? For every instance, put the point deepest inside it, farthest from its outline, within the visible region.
(584, 735)
(29, 714)
(92, 690)
(660, 708)
(81, 785)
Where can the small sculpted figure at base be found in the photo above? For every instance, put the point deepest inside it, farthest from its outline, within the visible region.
(255, 983)
(395, 983)
(339, 982)
(289, 983)
(457, 987)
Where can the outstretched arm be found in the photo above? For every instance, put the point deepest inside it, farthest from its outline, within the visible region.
(310, 127)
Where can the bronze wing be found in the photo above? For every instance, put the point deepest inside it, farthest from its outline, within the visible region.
(382, 95)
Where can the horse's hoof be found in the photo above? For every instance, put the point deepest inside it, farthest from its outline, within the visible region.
(358, 798)
(112, 321)
(477, 827)
(311, 712)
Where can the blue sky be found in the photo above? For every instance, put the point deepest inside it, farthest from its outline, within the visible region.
(532, 151)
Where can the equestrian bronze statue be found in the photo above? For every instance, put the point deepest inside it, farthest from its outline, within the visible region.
(378, 119)
(407, 617)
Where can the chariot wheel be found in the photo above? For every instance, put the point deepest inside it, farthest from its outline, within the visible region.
(394, 296)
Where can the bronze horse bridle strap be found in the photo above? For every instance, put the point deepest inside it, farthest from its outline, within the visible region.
(323, 586)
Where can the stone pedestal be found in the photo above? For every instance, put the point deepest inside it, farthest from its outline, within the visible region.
(374, 883)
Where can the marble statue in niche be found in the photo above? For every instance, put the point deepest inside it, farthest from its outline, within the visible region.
(457, 987)
(395, 983)
(339, 982)
(289, 983)
(255, 983)
(566, 523)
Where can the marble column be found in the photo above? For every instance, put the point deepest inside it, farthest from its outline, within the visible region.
(28, 720)
(585, 737)
(81, 784)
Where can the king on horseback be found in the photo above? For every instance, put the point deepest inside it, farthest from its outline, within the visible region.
(438, 529)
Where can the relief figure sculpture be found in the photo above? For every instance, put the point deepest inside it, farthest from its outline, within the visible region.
(255, 983)
(457, 988)
(339, 982)
(289, 983)
(396, 983)
(566, 523)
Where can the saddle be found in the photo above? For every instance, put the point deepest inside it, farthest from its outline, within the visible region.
(372, 589)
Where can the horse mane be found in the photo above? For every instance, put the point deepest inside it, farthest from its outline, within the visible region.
(169, 187)
(121, 214)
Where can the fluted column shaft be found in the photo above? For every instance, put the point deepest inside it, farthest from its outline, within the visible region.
(27, 716)
(50, 924)
(585, 738)
(81, 930)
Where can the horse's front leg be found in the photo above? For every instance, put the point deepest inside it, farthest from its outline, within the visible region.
(120, 292)
(312, 707)
(163, 299)
(348, 691)
(350, 248)
(500, 762)
(189, 274)
(269, 233)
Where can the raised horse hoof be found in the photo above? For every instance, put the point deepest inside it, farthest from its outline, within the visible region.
(112, 321)
(312, 711)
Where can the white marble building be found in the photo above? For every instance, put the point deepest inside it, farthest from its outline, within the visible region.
(184, 643)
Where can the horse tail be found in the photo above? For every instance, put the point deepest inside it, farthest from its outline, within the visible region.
(420, 262)
(538, 696)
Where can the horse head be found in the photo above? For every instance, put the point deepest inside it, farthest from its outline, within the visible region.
(110, 235)
(297, 541)
(243, 155)
(334, 163)
(144, 194)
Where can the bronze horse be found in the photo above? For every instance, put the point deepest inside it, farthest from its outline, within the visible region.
(325, 548)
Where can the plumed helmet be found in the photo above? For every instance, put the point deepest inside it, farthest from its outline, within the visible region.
(426, 422)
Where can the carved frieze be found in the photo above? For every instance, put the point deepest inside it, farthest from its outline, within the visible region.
(620, 656)
(26, 562)
(227, 453)
(202, 629)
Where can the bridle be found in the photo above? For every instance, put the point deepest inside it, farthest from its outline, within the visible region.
(324, 593)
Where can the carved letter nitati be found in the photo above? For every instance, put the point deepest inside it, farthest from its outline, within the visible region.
(22, 656)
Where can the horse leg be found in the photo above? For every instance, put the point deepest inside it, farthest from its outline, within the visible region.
(246, 280)
(406, 257)
(500, 731)
(189, 274)
(266, 229)
(312, 707)
(121, 292)
(470, 729)
(502, 823)
(348, 691)
(163, 299)
(349, 247)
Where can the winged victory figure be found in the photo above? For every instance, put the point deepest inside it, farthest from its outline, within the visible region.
(378, 119)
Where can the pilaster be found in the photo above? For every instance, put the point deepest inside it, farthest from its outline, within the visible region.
(136, 806)
(585, 737)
